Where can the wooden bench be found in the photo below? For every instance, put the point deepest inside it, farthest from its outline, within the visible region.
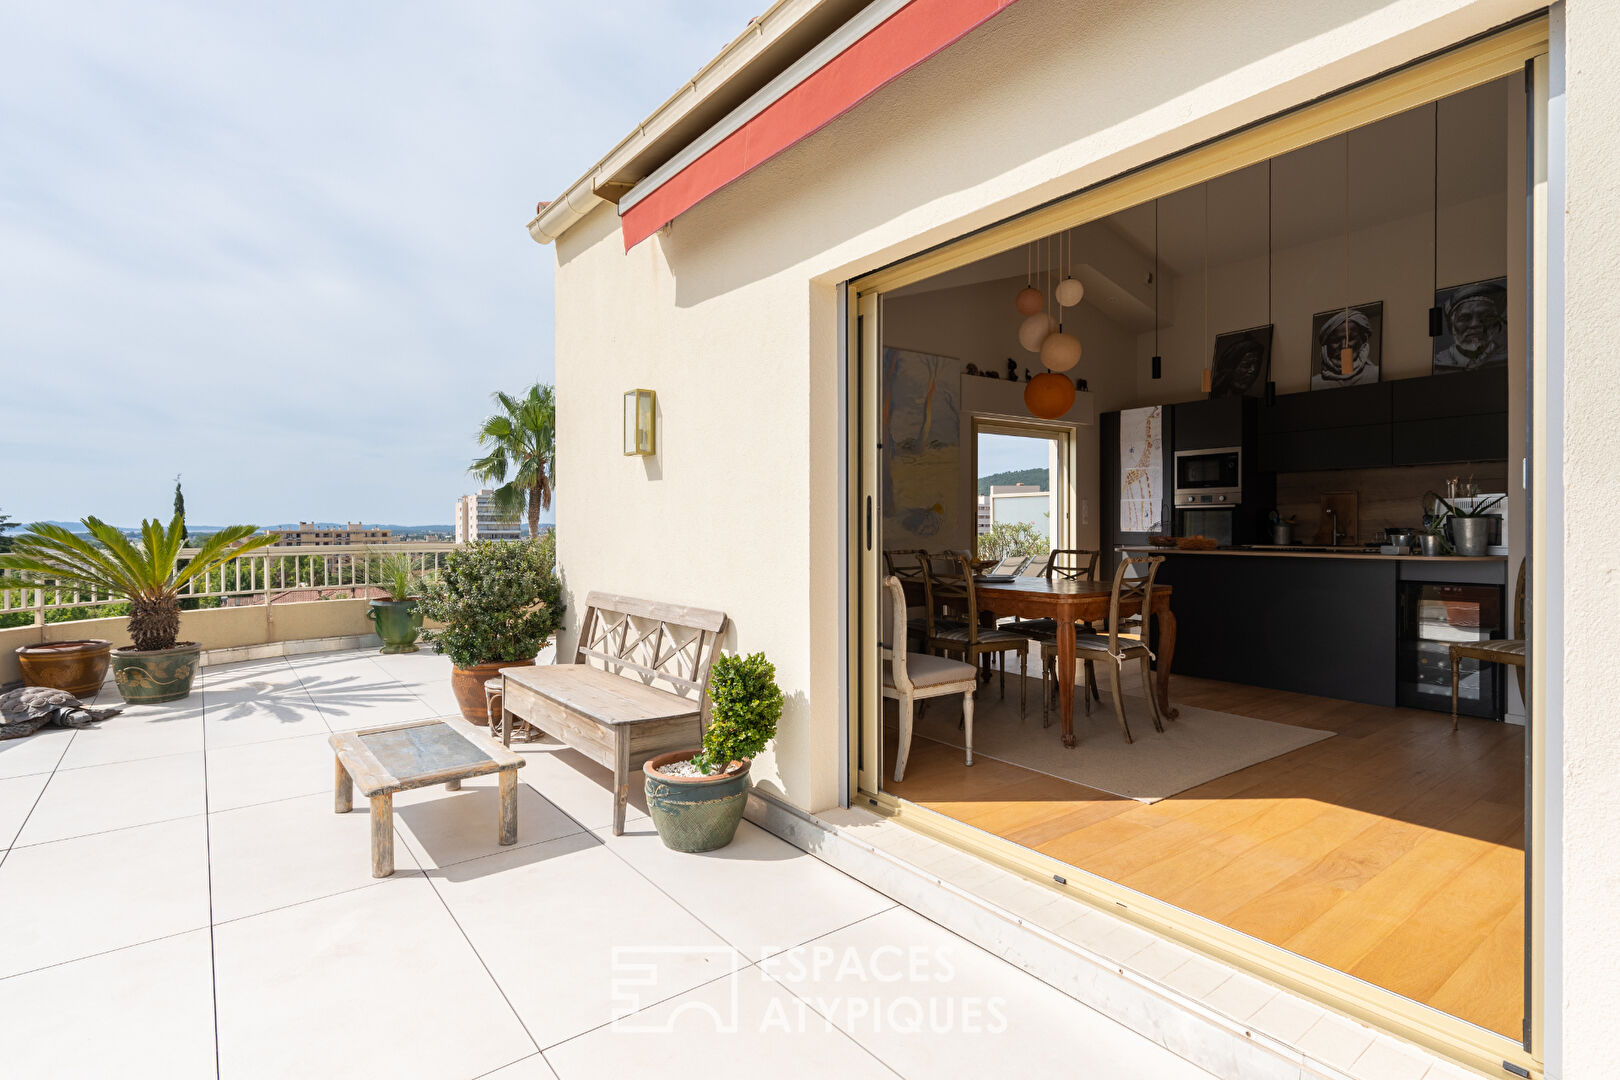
(638, 686)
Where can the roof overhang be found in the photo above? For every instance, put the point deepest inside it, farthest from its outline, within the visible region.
(831, 74)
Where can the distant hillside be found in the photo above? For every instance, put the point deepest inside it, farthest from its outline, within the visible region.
(1035, 478)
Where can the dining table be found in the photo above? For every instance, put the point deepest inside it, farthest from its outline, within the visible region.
(1079, 601)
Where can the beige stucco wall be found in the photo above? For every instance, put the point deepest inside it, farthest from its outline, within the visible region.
(213, 628)
(730, 313)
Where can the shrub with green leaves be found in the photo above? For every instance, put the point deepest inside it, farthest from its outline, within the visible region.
(499, 600)
(747, 705)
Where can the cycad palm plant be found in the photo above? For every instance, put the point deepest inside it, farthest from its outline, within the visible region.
(521, 440)
(107, 563)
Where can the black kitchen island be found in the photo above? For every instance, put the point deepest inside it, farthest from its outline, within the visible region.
(1313, 622)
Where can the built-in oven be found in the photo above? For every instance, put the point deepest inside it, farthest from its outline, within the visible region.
(1209, 477)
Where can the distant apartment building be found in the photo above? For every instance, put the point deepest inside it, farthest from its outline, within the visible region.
(309, 534)
(477, 519)
(1016, 503)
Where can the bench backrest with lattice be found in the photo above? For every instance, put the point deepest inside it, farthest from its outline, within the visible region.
(668, 646)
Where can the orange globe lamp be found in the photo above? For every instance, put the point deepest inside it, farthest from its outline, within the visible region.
(1029, 300)
(1049, 395)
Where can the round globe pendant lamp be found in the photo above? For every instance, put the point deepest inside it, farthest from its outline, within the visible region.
(1028, 301)
(1070, 292)
(1049, 395)
(1060, 351)
(1033, 331)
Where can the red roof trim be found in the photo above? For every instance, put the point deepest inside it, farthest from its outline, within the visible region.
(893, 47)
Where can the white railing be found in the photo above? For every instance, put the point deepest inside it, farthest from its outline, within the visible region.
(266, 576)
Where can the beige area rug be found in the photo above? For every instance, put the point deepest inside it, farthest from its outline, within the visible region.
(1195, 748)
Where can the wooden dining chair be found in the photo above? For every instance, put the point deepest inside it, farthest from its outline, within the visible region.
(951, 581)
(1495, 651)
(906, 564)
(1064, 564)
(1112, 650)
(909, 678)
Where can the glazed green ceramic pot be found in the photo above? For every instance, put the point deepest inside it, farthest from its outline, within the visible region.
(397, 622)
(150, 676)
(694, 813)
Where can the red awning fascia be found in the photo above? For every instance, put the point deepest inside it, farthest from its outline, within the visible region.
(902, 41)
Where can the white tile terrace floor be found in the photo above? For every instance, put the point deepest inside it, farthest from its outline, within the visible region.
(181, 901)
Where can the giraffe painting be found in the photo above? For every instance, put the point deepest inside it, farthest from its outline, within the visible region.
(1141, 457)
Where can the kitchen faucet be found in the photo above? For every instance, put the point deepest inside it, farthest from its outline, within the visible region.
(1334, 542)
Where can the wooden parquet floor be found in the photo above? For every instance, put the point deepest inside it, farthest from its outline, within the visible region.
(1394, 852)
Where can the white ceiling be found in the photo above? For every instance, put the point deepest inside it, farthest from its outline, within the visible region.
(1391, 177)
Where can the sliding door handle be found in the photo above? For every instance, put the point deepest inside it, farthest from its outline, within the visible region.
(869, 523)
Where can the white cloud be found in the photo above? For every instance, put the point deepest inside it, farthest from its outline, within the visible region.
(280, 248)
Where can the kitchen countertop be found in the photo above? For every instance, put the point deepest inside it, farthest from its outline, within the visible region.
(1346, 553)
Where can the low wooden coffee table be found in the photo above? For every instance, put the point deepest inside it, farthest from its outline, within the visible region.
(383, 760)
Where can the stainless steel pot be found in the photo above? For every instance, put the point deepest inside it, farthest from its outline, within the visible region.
(1281, 534)
(1404, 538)
(1429, 544)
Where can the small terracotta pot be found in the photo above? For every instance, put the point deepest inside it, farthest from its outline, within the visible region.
(468, 684)
(75, 666)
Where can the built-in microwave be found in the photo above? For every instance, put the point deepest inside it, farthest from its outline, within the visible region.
(1209, 477)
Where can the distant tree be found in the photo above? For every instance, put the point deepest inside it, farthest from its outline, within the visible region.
(1012, 538)
(5, 523)
(521, 441)
(180, 510)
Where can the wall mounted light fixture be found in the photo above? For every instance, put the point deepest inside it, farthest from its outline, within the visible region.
(640, 423)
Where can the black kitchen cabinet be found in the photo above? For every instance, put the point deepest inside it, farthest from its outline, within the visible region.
(1314, 626)
(1444, 419)
(1211, 424)
(1314, 410)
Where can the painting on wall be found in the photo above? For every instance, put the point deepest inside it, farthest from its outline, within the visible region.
(1141, 462)
(1242, 363)
(922, 436)
(1359, 328)
(1475, 327)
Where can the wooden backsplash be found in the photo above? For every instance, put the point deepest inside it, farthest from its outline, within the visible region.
(1386, 498)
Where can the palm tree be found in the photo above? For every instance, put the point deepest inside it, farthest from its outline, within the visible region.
(107, 564)
(521, 440)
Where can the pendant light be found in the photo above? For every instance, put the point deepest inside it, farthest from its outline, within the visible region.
(1209, 374)
(1158, 361)
(1038, 325)
(1069, 291)
(1061, 351)
(1437, 318)
(1028, 301)
(1271, 384)
(1347, 355)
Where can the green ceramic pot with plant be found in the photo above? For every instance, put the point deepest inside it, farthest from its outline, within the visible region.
(397, 619)
(106, 563)
(499, 602)
(696, 797)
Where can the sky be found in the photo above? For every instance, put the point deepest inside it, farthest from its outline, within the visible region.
(279, 248)
(1008, 453)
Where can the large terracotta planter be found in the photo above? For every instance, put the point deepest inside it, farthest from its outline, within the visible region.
(468, 684)
(75, 666)
(147, 677)
(694, 813)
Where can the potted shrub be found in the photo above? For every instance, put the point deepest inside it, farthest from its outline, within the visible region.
(696, 797)
(106, 563)
(499, 603)
(397, 619)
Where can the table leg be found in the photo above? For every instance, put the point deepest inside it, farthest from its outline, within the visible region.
(1065, 677)
(452, 785)
(508, 807)
(621, 778)
(1167, 652)
(382, 835)
(343, 796)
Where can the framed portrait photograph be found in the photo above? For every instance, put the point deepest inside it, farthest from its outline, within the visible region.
(1360, 328)
(1474, 334)
(1242, 363)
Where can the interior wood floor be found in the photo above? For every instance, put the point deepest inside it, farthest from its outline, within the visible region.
(1394, 852)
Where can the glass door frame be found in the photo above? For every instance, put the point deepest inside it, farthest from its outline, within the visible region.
(1522, 47)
